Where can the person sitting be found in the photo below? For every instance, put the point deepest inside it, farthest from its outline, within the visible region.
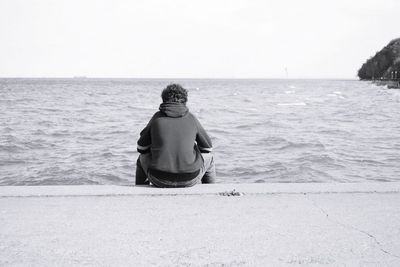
(175, 150)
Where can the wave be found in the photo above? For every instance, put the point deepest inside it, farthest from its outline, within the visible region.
(11, 148)
(46, 123)
(37, 144)
(367, 162)
(108, 155)
(51, 109)
(323, 160)
(292, 104)
(272, 141)
(8, 129)
(309, 174)
(335, 132)
(292, 145)
(61, 133)
(218, 131)
(91, 138)
(120, 132)
(250, 125)
(269, 123)
(12, 162)
(39, 132)
(107, 178)
(60, 180)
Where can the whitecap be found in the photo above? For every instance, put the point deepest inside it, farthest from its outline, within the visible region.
(292, 104)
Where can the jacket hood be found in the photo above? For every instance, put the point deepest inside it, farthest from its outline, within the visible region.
(174, 110)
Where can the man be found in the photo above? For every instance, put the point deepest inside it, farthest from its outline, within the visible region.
(174, 148)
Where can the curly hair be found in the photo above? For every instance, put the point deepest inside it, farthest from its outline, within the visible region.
(174, 93)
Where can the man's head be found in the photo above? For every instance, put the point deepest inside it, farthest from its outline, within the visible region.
(174, 93)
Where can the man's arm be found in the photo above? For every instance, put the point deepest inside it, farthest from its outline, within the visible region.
(203, 140)
(144, 142)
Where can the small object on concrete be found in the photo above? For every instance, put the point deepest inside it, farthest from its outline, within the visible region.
(231, 193)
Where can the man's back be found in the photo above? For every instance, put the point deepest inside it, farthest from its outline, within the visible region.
(173, 148)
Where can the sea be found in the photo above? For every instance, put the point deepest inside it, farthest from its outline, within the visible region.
(84, 130)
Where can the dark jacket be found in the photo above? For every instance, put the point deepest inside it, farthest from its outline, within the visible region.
(175, 139)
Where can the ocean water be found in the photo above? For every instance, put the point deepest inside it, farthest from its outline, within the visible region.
(84, 131)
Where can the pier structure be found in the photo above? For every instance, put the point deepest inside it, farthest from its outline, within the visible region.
(392, 83)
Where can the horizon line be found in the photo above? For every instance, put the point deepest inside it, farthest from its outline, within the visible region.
(169, 78)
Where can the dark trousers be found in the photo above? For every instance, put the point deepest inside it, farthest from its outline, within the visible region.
(207, 174)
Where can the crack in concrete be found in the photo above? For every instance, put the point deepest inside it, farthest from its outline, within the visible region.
(352, 228)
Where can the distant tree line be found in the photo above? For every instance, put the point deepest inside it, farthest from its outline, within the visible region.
(384, 64)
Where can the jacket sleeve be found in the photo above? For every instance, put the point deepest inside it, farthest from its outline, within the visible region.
(144, 142)
(203, 140)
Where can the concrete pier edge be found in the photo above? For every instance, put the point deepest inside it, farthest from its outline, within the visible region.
(266, 224)
(201, 189)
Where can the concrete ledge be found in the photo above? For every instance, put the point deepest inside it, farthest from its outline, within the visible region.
(330, 224)
(204, 189)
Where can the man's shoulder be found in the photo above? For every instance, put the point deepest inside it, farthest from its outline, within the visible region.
(155, 116)
(158, 114)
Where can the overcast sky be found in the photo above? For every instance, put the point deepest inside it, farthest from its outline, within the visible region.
(193, 39)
